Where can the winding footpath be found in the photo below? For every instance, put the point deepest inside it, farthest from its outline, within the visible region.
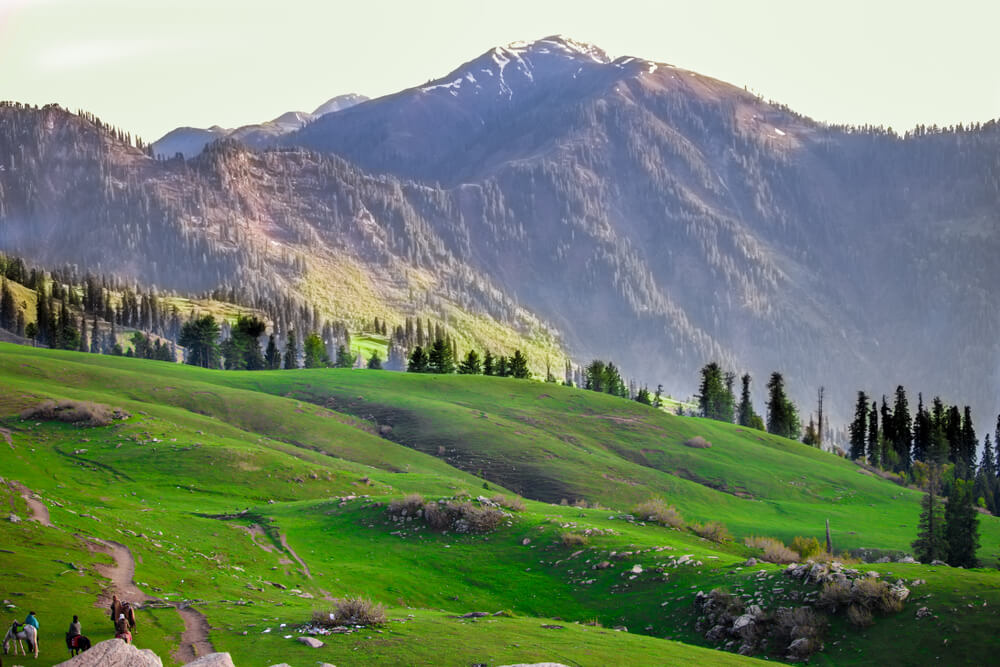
(39, 512)
(194, 640)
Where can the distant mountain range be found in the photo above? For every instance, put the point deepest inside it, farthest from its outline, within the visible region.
(189, 141)
(653, 215)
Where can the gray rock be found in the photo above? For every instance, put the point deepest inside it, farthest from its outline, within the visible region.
(310, 641)
(924, 612)
(750, 562)
(213, 660)
(13, 518)
(938, 562)
(907, 559)
(474, 614)
(114, 653)
(742, 622)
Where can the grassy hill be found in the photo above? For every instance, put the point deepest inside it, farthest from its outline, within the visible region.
(255, 497)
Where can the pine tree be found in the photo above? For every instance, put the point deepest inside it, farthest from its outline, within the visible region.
(291, 351)
(921, 432)
(418, 360)
(95, 338)
(874, 445)
(961, 525)
(470, 365)
(84, 342)
(344, 357)
(613, 382)
(314, 353)
(658, 396)
(500, 368)
(970, 443)
(594, 376)
(272, 358)
(715, 397)
(8, 308)
(488, 363)
(782, 416)
(902, 429)
(375, 361)
(859, 427)
(642, 396)
(953, 434)
(440, 360)
(931, 543)
(811, 436)
(519, 366)
(201, 338)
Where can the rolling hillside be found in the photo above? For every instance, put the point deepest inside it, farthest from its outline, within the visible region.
(222, 485)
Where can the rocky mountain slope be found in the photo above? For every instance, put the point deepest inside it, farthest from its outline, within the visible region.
(654, 215)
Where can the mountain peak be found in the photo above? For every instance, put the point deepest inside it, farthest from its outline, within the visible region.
(561, 45)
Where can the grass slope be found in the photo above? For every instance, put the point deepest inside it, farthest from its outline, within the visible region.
(249, 448)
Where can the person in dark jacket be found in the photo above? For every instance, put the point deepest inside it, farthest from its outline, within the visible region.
(75, 628)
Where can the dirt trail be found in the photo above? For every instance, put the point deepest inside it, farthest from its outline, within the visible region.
(6, 436)
(39, 512)
(194, 640)
(284, 543)
(256, 531)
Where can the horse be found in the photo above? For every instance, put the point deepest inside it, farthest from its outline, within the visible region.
(27, 632)
(119, 608)
(77, 644)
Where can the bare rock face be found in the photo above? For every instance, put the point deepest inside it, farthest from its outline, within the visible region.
(213, 660)
(114, 653)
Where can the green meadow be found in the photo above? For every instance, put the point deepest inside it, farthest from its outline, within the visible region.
(258, 497)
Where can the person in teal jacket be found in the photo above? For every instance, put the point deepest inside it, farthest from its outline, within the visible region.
(31, 620)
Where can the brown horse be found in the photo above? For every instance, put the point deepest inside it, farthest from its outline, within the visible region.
(122, 608)
(77, 644)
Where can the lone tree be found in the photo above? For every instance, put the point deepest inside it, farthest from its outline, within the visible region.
(961, 525)
(519, 366)
(782, 416)
(375, 361)
(859, 427)
(314, 352)
(471, 364)
(291, 351)
(931, 543)
(715, 395)
(440, 359)
(201, 338)
(418, 361)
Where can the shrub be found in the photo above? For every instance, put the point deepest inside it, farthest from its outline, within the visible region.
(80, 413)
(859, 616)
(407, 506)
(351, 611)
(715, 531)
(697, 442)
(570, 539)
(875, 596)
(835, 595)
(807, 547)
(658, 511)
(513, 503)
(774, 551)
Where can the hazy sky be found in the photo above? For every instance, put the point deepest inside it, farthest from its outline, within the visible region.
(151, 65)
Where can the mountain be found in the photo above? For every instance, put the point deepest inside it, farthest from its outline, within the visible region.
(653, 215)
(664, 218)
(190, 141)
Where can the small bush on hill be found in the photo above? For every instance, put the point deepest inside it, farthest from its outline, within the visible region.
(513, 503)
(461, 516)
(407, 506)
(835, 595)
(859, 616)
(807, 547)
(658, 511)
(351, 611)
(715, 531)
(875, 596)
(570, 539)
(697, 442)
(80, 413)
(774, 551)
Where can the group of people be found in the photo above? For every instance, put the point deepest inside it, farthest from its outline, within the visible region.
(75, 640)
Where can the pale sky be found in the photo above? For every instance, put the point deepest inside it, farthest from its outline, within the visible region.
(151, 65)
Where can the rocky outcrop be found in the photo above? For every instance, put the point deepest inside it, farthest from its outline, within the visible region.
(114, 653)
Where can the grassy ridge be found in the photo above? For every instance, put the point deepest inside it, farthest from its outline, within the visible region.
(285, 451)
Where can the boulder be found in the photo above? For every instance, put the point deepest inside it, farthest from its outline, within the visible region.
(938, 562)
(311, 642)
(114, 653)
(742, 622)
(750, 562)
(907, 559)
(213, 660)
(924, 612)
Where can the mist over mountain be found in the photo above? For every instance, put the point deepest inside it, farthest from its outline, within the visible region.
(655, 216)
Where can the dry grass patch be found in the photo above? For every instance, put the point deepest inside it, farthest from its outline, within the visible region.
(570, 539)
(352, 611)
(79, 413)
(697, 442)
(774, 551)
(715, 531)
(658, 511)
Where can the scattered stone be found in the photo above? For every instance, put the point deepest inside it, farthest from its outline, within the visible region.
(924, 612)
(620, 628)
(938, 562)
(907, 559)
(554, 627)
(474, 614)
(213, 660)
(312, 642)
(13, 518)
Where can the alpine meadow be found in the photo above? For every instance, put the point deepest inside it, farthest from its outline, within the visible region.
(560, 359)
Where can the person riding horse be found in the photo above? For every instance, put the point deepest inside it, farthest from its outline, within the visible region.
(120, 607)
